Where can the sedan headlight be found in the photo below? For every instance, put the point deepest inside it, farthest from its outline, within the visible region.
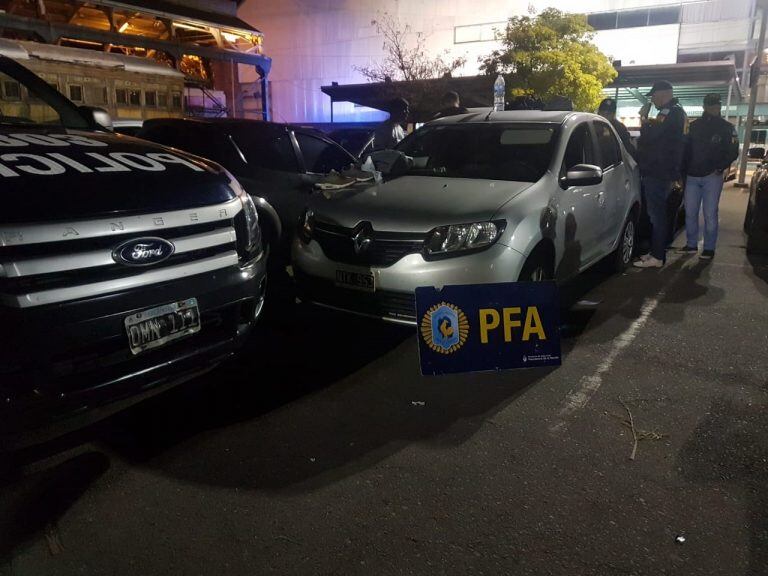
(247, 222)
(460, 239)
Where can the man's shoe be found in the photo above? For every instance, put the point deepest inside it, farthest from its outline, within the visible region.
(688, 250)
(649, 262)
(644, 257)
(707, 255)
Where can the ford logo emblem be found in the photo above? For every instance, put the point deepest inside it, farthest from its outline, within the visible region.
(143, 251)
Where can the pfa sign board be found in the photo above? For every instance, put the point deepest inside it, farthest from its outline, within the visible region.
(481, 327)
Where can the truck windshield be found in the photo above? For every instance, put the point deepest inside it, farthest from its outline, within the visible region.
(26, 99)
(493, 151)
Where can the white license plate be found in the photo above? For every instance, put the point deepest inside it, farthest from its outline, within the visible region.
(158, 326)
(362, 281)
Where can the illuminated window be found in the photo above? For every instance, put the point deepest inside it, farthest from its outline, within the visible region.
(121, 96)
(477, 32)
(134, 97)
(162, 100)
(150, 98)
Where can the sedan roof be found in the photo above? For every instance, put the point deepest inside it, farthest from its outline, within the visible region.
(557, 117)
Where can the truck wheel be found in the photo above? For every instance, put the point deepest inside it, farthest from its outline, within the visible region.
(622, 256)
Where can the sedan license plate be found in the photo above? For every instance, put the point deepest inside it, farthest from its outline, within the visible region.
(362, 281)
(158, 326)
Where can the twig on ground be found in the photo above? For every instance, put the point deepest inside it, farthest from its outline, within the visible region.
(632, 427)
(641, 434)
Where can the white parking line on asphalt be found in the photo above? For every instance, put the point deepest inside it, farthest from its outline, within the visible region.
(579, 397)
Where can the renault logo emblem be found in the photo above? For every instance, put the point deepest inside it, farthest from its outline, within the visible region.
(362, 239)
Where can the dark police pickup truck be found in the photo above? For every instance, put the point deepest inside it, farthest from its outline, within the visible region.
(125, 267)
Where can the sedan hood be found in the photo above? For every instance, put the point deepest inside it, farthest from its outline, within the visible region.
(415, 203)
(56, 174)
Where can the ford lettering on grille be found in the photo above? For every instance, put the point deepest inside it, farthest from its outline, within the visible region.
(143, 251)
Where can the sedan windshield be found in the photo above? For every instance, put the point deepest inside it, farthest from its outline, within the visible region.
(493, 151)
(26, 99)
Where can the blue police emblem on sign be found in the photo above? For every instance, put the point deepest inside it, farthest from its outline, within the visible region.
(478, 327)
(444, 328)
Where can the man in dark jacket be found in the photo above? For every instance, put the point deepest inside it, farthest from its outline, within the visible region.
(607, 110)
(660, 152)
(711, 148)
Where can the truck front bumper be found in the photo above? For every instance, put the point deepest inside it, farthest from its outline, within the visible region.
(66, 365)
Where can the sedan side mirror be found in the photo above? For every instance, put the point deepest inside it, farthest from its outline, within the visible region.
(582, 175)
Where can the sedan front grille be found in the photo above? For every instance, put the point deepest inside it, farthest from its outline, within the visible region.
(385, 248)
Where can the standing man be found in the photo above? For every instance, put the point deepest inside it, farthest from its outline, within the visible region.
(712, 147)
(390, 132)
(660, 152)
(607, 110)
(450, 105)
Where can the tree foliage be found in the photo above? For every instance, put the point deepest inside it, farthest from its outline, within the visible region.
(551, 54)
(406, 60)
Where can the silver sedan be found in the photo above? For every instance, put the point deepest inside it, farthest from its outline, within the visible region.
(478, 198)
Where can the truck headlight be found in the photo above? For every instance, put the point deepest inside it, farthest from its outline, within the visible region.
(247, 222)
(460, 239)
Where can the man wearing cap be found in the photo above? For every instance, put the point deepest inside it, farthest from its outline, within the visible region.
(607, 110)
(660, 154)
(712, 146)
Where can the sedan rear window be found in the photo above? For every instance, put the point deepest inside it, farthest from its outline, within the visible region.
(492, 151)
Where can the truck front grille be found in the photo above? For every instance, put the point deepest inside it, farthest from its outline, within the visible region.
(50, 263)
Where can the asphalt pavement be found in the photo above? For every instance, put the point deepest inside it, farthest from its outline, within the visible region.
(321, 450)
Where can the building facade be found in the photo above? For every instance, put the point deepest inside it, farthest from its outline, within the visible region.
(204, 41)
(318, 42)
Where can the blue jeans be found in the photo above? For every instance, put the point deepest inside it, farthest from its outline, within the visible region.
(702, 190)
(656, 198)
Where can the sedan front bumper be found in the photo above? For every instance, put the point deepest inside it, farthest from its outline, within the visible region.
(393, 298)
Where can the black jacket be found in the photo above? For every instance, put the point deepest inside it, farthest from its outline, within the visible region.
(712, 146)
(661, 146)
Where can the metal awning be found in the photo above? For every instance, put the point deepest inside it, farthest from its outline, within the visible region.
(175, 11)
(52, 32)
(423, 95)
(691, 81)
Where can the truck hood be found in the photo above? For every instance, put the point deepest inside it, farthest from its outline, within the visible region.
(415, 203)
(57, 174)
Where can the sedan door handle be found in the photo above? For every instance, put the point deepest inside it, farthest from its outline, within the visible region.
(601, 198)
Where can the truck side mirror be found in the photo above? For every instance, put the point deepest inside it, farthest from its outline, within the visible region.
(98, 115)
